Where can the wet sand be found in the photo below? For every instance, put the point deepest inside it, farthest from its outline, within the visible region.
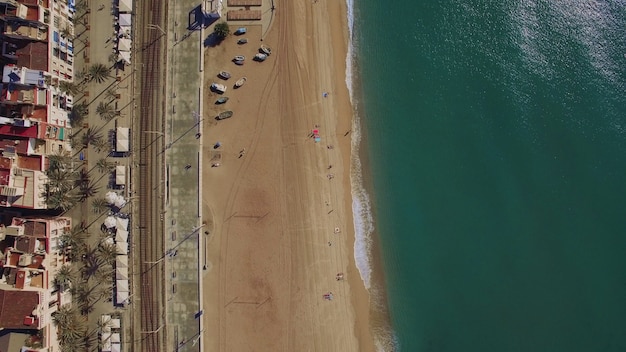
(280, 228)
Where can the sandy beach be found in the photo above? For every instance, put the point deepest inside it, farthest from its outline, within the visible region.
(278, 207)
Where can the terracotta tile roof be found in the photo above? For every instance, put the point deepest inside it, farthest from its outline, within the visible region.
(15, 307)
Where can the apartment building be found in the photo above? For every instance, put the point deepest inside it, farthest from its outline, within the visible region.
(31, 258)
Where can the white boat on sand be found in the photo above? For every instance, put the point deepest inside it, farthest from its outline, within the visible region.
(240, 82)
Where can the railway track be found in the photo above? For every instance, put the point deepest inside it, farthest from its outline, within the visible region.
(152, 45)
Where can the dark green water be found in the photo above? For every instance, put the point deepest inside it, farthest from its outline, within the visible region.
(496, 132)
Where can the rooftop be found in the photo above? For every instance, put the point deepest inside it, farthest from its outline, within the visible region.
(16, 309)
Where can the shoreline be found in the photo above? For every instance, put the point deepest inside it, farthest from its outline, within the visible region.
(272, 251)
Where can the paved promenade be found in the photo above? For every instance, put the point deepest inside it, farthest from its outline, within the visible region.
(183, 223)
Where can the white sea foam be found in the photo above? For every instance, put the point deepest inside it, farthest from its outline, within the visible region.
(384, 336)
(363, 222)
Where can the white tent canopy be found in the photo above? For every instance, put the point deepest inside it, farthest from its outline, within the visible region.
(124, 44)
(121, 223)
(116, 323)
(121, 273)
(122, 137)
(125, 55)
(121, 261)
(106, 341)
(120, 175)
(122, 286)
(121, 297)
(121, 248)
(121, 235)
(115, 338)
(106, 323)
(126, 19)
(116, 347)
(126, 5)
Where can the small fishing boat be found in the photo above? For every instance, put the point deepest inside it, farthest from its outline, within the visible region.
(216, 87)
(242, 41)
(240, 82)
(260, 57)
(241, 30)
(224, 74)
(221, 100)
(264, 49)
(224, 115)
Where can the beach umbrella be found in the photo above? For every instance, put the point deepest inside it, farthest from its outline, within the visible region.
(109, 222)
(119, 201)
(111, 197)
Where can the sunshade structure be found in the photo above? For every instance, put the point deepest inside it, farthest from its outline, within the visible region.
(126, 6)
(109, 222)
(121, 223)
(115, 338)
(111, 197)
(122, 286)
(125, 55)
(121, 297)
(120, 175)
(122, 137)
(121, 273)
(116, 323)
(126, 20)
(121, 248)
(121, 235)
(121, 261)
(120, 201)
(116, 347)
(105, 338)
(105, 320)
(124, 44)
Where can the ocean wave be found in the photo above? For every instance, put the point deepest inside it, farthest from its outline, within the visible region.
(385, 339)
(363, 222)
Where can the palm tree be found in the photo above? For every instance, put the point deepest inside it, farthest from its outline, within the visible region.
(74, 241)
(221, 30)
(101, 145)
(107, 252)
(60, 161)
(70, 88)
(71, 327)
(88, 190)
(104, 166)
(111, 94)
(82, 177)
(65, 275)
(90, 136)
(99, 205)
(78, 114)
(106, 111)
(99, 73)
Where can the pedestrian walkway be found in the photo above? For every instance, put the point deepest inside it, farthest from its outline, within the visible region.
(182, 180)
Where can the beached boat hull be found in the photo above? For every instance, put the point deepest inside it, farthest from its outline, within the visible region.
(240, 82)
(224, 115)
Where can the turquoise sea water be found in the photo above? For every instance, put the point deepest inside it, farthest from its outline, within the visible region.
(495, 140)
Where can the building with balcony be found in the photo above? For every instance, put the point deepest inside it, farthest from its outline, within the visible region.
(31, 258)
(38, 49)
